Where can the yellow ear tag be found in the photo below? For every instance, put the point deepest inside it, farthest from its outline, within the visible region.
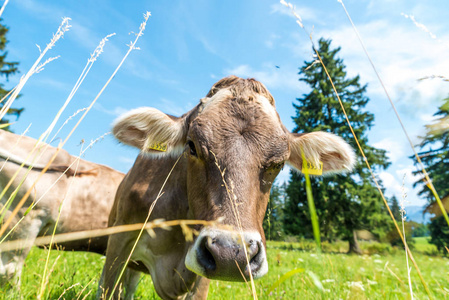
(312, 169)
(158, 147)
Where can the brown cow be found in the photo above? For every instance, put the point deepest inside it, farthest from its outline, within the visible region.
(88, 191)
(231, 147)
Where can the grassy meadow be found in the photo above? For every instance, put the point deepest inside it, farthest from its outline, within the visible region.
(379, 274)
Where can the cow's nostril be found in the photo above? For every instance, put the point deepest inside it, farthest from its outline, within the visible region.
(205, 257)
(256, 255)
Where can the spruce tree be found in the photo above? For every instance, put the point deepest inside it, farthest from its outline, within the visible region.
(6, 69)
(347, 202)
(436, 158)
(436, 161)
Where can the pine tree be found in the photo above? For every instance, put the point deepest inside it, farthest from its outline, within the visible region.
(395, 208)
(348, 202)
(6, 69)
(436, 161)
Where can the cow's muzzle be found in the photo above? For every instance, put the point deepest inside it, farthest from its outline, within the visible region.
(227, 255)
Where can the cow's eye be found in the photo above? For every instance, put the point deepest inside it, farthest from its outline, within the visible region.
(275, 166)
(192, 148)
(279, 166)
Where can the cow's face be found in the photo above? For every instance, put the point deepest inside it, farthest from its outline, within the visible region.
(235, 145)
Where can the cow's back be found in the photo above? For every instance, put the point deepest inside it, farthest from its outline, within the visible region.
(86, 191)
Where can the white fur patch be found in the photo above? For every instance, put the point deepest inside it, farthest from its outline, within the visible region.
(267, 107)
(219, 96)
(225, 93)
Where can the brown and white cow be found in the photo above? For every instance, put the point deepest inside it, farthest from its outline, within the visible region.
(88, 191)
(231, 146)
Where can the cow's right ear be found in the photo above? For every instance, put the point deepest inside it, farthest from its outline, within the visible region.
(325, 152)
(151, 131)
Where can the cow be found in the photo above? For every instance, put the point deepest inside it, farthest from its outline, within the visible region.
(87, 189)
(218, 162)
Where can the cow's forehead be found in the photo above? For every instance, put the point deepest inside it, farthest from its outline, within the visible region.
(223, 119)
(224, 95)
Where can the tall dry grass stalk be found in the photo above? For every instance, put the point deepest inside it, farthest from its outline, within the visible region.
(68, 289)
(3, 7)
(418, 159)
(84, 288)
(61, 144)
(44, 136)
(45, 277)
(36, 67)
(299, 21)
(419, 25)
(444, 78)
(66, 122)
(78, 83)
(233, 198)
(87, 234)
(403, 219)
(44, 284)
(13, 148)
(7, 95)
(150, 231)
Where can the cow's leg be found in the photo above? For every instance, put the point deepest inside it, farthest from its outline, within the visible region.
(119, 247)
(130, 283)
(11, 262)
(199, 290)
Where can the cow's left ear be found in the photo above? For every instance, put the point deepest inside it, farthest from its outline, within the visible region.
(324, 152)
(151, 131)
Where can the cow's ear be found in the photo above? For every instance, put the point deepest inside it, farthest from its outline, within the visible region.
(324, 153)
(151, 131)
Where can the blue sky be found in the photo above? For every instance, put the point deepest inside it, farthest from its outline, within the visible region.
(189, 45)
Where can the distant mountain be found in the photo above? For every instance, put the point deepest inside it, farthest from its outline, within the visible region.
(414, 213)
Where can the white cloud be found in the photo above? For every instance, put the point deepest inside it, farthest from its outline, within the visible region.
(427, 118)
(402, 55)
(400, 184)
(393, 186)
(395, 148)
(407, 175)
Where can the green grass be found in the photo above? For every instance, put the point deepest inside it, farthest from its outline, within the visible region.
(341, 276)
(422, 245)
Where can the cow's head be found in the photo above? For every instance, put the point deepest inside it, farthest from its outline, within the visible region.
(235, 145)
